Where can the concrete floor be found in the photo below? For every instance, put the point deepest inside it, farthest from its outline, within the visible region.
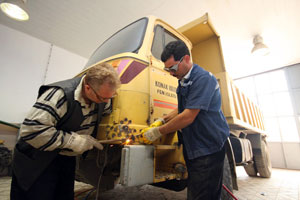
(283, 185)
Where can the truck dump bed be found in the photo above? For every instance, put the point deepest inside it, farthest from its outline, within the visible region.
(241, 113)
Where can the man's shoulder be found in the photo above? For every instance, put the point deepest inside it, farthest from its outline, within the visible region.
(52, 94)
(198, 72)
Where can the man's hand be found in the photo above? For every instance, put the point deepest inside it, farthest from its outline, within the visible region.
(81, 143)
(158, 122)
(150, 134)
(95, 142)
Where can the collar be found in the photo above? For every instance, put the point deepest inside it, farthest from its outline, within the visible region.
(187, 76)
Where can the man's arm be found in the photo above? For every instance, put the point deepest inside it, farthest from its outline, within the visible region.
(39, 128)
(171, 115)
(180, 121)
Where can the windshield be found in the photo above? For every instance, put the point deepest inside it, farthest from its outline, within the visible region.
(128, 39)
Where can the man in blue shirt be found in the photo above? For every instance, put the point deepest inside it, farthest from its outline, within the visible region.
(204, 129)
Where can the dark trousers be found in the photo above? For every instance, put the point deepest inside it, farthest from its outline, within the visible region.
(57, 182)
(205, 176)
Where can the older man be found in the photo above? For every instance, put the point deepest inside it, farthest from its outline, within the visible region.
(59, 127)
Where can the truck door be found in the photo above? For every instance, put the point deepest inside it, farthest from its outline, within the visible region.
(163, 98)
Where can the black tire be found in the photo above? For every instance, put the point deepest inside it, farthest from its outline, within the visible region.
(227, 180)
(251, 169)
(5, 161)
(262, 160)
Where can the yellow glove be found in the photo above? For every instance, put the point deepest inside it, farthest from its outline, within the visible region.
(150, 134)
(158, 122)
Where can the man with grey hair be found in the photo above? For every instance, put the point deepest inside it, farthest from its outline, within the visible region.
(58, 128)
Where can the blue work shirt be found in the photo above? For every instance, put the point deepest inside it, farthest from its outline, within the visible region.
(209, 130)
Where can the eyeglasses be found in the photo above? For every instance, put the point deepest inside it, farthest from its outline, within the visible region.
(174, 68)
(103, 99)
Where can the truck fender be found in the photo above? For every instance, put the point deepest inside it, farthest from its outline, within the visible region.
(231, 160)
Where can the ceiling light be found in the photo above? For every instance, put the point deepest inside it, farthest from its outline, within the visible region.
(14, 9)
(259, 47)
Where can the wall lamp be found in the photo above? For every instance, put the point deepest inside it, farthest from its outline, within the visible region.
(15, 9)
(259, 47)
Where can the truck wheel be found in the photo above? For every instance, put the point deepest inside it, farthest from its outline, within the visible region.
(262, 160)
(227, 180)
(251, 169)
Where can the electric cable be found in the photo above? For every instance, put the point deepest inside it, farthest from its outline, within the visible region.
(102, 169)
(89, 193)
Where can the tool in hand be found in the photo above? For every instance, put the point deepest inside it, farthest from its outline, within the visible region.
(111, 140)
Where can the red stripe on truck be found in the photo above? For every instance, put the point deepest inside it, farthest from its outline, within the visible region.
(164, 104)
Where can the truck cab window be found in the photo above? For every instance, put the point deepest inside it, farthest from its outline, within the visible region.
(161, 39)
(128, 39)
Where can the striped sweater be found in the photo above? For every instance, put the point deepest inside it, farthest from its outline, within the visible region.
(39, 127)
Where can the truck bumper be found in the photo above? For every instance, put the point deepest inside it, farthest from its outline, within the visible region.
(137, 165)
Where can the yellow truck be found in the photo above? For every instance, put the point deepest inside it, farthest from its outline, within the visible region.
(148, 92)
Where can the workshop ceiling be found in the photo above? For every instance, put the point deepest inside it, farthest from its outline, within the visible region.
(80, 26)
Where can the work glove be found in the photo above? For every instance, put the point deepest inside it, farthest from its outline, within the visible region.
(81, 143)
(158, 122)
(150, 134)
(95, 142)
